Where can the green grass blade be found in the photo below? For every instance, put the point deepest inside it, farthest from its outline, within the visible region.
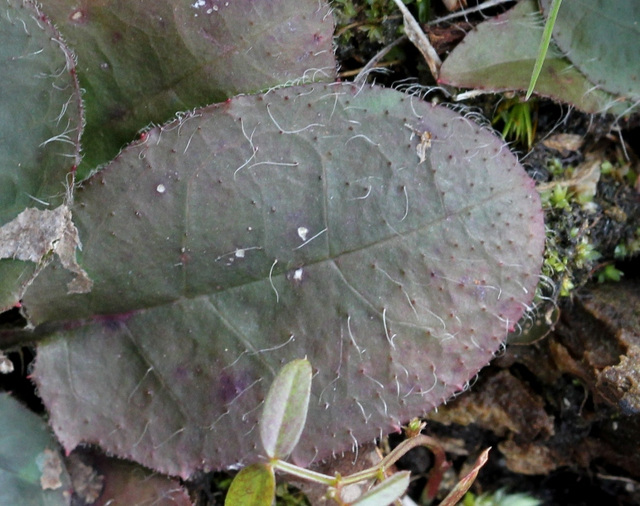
(544, 46)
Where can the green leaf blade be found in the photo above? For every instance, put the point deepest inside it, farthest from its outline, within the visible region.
(285, 409)
(41, 119)
(142, 61)
(306, 222)
(544, 47)
(254, 485)
(386, 492)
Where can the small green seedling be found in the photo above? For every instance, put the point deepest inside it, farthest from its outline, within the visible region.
(281, 425)
(609, 273)
(519, 120)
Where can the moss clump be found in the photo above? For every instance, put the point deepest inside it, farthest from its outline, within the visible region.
(592, 220)
(377, 20)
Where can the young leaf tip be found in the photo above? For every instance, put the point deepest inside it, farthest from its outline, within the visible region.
(285, 409)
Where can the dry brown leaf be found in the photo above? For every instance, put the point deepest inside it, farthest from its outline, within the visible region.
(50, 466)
(34, 234)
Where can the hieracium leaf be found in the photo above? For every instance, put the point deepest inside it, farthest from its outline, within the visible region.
(40, 126)
(391, 242)
(501, 52)
(140, 61)
(603, 43)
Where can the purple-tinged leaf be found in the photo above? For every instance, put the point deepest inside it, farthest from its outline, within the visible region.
(601, 38)
(40, 126)
(141, 61)
(285, 409)
(392, 242)
(129, 484)
(500, 54)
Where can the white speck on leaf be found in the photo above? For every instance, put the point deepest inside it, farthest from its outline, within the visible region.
(161, 188)
(77, 16)
(302, 233)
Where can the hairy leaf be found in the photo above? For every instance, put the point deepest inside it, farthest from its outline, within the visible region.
(391, 242)
(125, 483)
(40, 126)
(601, 38)
(500, 55)
(140, 61)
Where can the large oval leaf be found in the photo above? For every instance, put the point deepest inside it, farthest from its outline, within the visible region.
(500, 55)
(601, 38)
(40, 126)
(141, 61)
(392, 242)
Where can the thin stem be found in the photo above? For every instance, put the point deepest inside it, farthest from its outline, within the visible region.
(459, 14)
(396, 454)
(439, 467)
(376, 472)
(410, 444)
(305, 474)
(373, 63)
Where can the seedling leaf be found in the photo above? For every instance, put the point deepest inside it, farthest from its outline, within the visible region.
(391, 489)
(254, 485)
(285, 409)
